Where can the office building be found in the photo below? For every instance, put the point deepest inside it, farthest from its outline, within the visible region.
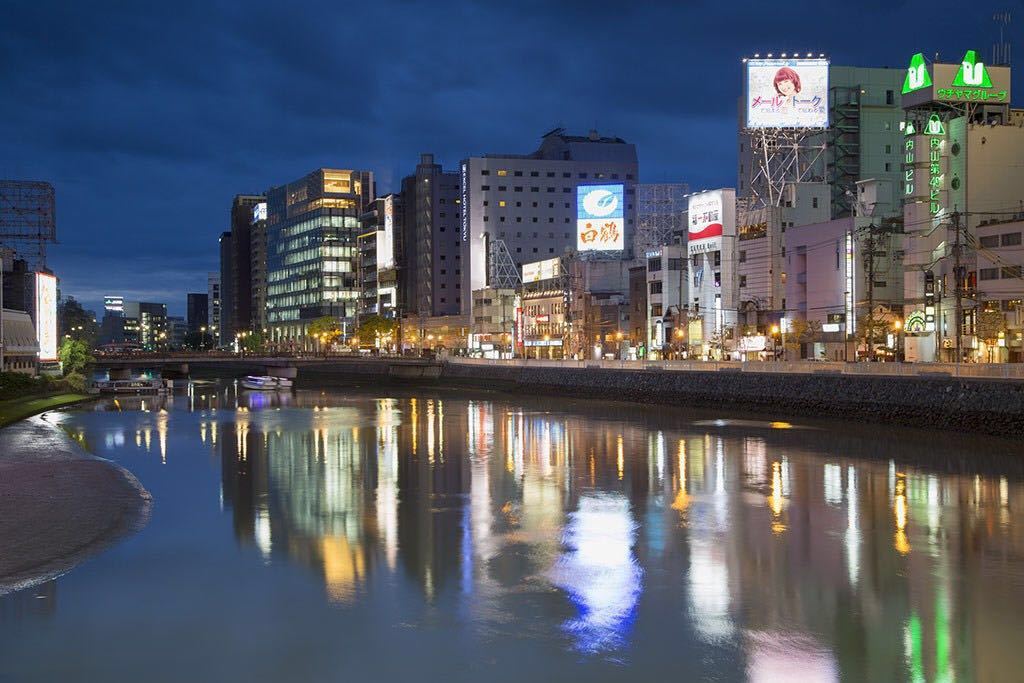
(963, 165)
(380, 245)
(20, 346)
(113, 305)
(521, 208)
(145, 323)
(430, 242)
(258, 267)
(177, 328)
(312, 250)
(225, 328)
(712, 247)
(666, 296)
(197, 311)
(1000, 320)
(213, 305)
(236, 291)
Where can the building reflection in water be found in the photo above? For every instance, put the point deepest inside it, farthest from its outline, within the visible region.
(808, 551)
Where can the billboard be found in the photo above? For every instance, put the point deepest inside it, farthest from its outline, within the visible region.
(46, 315)
(542, 270)
(386, 237)
(970, 81)
(600, 218)
(787, 93)
(706, 221)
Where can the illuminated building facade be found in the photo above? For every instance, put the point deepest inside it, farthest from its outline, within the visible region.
(522, 208)
(312, 250)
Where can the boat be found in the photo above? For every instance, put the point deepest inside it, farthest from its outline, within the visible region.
(130, 386)
(266, 383)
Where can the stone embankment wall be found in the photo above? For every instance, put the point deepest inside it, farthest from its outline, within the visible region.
(984, 406)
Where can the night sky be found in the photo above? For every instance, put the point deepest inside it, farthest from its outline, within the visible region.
(149, 117)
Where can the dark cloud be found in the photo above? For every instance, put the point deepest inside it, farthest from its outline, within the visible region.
(149, 117)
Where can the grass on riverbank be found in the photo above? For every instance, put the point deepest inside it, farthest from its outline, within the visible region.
(16, 409)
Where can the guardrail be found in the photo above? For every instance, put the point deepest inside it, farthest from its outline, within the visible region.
(1010, 371)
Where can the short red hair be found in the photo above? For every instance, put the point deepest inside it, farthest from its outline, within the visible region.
(787, 74)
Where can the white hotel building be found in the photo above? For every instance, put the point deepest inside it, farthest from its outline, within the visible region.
(528, 203)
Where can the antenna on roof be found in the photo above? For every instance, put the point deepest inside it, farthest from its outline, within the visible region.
(1001, 50)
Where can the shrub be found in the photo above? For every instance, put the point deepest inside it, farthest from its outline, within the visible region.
(75, 381)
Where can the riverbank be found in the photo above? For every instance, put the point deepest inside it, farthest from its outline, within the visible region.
(14, 409)
(58, 504)
(984, 406)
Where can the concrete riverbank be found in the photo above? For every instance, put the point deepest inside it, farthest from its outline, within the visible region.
(984, 406)
(971, 405)
(58, 504)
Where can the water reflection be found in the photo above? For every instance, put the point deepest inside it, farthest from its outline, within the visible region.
(801, 552)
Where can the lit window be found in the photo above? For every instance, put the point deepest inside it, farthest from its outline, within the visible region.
(502, 172)
(501, 203)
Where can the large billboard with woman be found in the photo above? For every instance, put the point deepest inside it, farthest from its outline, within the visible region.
(787, 93)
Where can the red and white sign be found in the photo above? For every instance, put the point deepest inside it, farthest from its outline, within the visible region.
(706, 221)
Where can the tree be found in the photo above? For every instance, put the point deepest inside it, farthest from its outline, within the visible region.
(76, 322)
(198, 341)
(74, 355)
(375, 329)
(325, 330)
(252, 342)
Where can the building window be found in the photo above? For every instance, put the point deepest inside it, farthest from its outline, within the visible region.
(1010, 239)
(1011, 272)
(890, 97)
(989, 241)
(988, 274)
(502, 188)
(485, 188)
(501, 203)
(485, 172)
(502, 172)
(743, 256)
(655, 310)
(653, 265)
(814, 202)
(518, 173)
(743, 280)
(656, 287)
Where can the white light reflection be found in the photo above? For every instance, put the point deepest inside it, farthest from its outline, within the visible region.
(852, 537)
(599, 572)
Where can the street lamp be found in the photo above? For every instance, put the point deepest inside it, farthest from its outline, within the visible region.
(775, 345)
(897, 326)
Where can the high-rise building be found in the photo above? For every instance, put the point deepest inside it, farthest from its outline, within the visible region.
(225, 328)
(236, 310)
(258, 267)
(380, 256)
(177, 328)
(430, 244)
(197, 311)
(213, 305)
(522, 208)
(312, 250)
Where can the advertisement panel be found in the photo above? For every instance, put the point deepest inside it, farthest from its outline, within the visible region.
(705, 217)
(787, 93)
(386, 237)
(600, 218)
(542, 270)
(259, 212)
(46, 316)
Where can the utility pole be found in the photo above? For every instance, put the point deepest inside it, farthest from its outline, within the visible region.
(869, 327)
(958, 274)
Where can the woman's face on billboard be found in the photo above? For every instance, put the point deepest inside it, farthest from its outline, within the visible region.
(787, 88)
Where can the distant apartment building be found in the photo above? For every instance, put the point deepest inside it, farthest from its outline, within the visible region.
(312, 250)
(380, 256)
(236, 309)
(666, 297)
(430, 278)
(258, 268)
(521, 208)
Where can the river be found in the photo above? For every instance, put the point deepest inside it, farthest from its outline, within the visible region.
(395, 536)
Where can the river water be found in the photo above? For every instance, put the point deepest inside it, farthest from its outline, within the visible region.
(360, 536)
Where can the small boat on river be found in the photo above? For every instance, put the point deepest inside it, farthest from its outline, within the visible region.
(266, 383)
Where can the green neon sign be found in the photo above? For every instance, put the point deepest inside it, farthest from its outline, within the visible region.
(972, 73)
(917, 75)
(935, 126)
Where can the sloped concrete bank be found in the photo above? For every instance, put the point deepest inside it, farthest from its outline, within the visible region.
(58, 504)
(971, 405)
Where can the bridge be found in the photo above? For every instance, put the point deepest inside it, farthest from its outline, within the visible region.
(181, 365)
